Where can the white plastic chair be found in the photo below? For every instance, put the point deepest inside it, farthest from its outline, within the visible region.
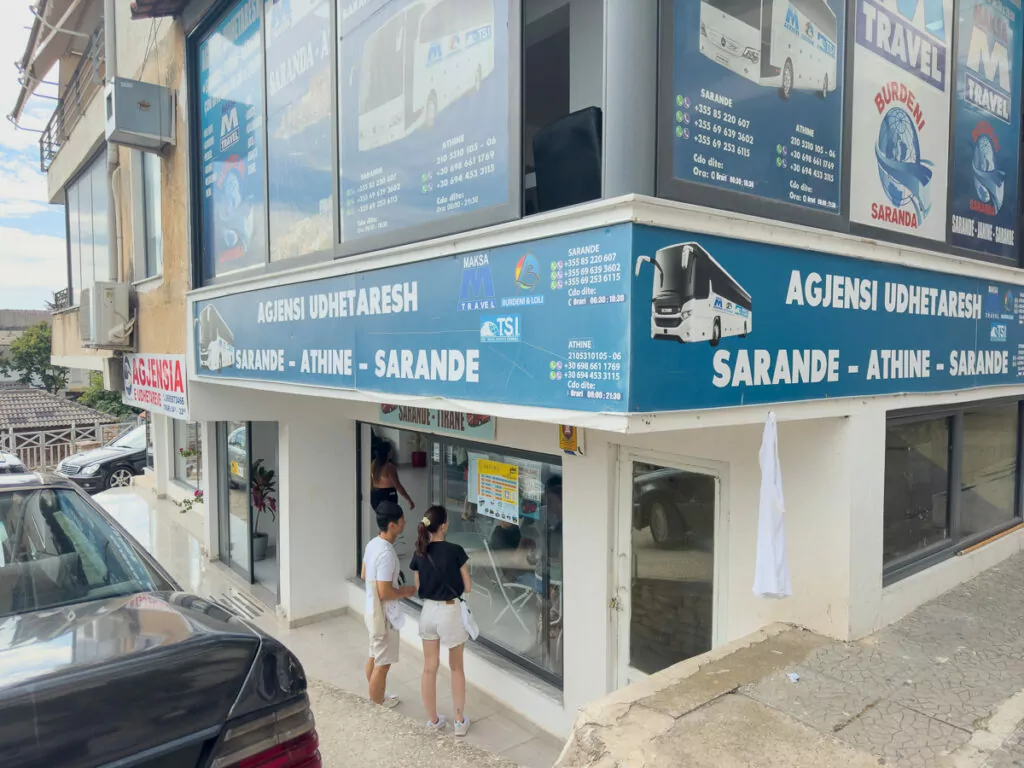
(511, 604)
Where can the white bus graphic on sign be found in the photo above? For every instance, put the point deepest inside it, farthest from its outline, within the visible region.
(694, 298)
(420, 61)
(785, 44)
(216, 341)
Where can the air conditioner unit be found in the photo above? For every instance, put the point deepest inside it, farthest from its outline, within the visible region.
(139, 115)
(110, 321)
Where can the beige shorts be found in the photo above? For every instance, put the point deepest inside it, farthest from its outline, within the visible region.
(441, 621)
(384, 648)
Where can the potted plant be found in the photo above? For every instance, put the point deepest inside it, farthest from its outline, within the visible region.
(186, 504)
(262, 491)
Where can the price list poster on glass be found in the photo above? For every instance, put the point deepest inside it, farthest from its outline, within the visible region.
(758, 98)
(900, 133)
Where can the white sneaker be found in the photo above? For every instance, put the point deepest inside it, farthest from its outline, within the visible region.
(439, 725)
(461, 726)
(390, 701)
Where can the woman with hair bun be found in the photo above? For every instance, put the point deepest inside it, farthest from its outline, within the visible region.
(442, 578)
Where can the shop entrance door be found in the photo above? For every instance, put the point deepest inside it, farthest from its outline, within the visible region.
(667, 588)
(235, 516)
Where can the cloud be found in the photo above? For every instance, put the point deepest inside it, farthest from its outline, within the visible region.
(34, 266)
(33, 253)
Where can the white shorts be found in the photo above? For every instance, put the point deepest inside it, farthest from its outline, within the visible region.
(384, 648)
(443, 621)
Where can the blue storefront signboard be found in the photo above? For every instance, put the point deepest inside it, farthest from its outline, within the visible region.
(231, 122)
(539, 323)
(424, 119)
(626, 318)
(764, 324)
(986, 151)
(757, 98)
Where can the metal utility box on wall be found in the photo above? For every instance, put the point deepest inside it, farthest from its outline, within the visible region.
(110, 323)
(139, 115)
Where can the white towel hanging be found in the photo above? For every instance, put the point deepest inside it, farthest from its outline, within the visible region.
(771, 570)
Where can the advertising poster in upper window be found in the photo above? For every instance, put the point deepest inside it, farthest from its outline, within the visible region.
(231, 121)
(299, 132)
(424, 89)
(899, 147)
(987, 127)
(758, 97)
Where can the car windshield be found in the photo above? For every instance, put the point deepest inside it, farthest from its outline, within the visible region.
(132, 440)
(56, 549)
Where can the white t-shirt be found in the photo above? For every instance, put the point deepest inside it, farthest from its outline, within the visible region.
(382, 564)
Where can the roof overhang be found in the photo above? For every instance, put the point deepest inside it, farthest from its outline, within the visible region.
(60, 27)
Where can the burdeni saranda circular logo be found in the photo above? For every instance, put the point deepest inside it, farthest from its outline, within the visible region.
(905, 176)
(989, 181)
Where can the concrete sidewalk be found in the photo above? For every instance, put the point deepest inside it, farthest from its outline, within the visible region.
(942, 687)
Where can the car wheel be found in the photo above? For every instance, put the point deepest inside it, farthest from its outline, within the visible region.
(824, 88)
(716, 332)
(667, 527)
(119, 477)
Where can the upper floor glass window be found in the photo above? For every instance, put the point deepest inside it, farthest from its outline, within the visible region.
(86, 211)
(231, 131)
(152, 263)
(301, 181)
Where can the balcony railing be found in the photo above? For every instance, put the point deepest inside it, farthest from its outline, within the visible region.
(76, 95)
(43, 449)
(61, 300)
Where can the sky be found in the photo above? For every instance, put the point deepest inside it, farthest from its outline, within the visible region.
(33, 255)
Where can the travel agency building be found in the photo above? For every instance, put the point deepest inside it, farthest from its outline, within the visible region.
(564, 258)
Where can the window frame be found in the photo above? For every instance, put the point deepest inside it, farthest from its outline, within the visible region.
(83, 173)
(511, 210)
(362, 481)
(141, 214)
(907, 565)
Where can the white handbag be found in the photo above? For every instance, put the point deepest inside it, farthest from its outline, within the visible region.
(468, 622)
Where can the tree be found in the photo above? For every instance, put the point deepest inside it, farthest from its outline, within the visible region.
(29, 359)
(95, 396)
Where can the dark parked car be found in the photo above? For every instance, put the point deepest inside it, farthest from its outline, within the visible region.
(673, 503)
(103, 661)
(11, 464)
(112, 466)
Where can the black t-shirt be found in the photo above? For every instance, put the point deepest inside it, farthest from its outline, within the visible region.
(441, 571)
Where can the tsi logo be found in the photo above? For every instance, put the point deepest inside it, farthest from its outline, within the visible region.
(500, 329)
(998, 332)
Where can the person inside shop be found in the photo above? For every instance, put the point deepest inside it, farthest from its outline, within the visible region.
(384, 616)
(384, 482)
(442, 578)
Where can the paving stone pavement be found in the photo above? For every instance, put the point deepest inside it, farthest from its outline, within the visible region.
(916, 692)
